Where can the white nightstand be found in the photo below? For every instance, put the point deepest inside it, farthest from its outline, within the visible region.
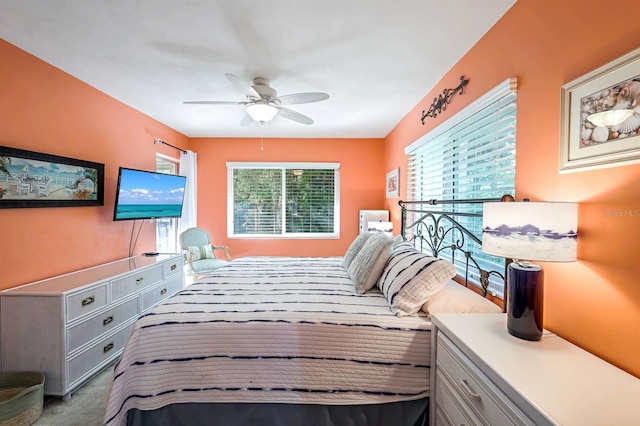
(483, 375)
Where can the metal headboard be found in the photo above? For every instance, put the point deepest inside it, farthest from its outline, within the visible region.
(440, 232)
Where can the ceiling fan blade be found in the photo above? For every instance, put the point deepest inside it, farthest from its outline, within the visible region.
(215, 103)
(302, 98)
(295, 116)
(243, 86)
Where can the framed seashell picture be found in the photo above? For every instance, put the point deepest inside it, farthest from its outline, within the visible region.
(600, 124)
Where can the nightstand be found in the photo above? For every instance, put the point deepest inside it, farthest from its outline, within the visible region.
(483, 375)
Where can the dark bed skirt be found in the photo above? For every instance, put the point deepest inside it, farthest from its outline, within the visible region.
(405, 413)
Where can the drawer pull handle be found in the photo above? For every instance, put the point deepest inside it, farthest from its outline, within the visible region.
(107, 348)
(173, 267)
(467, 388)
(89, 300)
(107, 320)
(163, 291)
(139, 280)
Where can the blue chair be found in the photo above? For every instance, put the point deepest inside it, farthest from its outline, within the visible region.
(195, 243)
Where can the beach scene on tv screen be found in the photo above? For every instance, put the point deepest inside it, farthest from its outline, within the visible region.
(145, 195)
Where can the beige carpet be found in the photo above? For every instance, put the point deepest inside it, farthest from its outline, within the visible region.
(85, 408)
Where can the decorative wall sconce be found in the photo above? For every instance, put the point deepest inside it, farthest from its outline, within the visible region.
(440, 103)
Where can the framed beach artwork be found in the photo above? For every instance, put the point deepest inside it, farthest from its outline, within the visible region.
(33, 179)
(393, 183)
(600, 124)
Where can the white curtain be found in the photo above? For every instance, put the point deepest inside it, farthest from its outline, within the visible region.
(189, 168)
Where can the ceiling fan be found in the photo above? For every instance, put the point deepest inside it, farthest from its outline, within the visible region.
(263, 102)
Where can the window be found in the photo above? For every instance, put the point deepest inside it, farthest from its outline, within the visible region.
(470, 156)
(290, 200)
(166, 228)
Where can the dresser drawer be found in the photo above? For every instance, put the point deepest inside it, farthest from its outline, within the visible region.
(449, 409)
(475, 389)
(99, 354)
(91, 328)
(130, 284)
(157, 294)
(172, 267)
(86, 301)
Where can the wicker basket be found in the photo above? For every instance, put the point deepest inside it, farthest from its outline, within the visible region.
(21, 398)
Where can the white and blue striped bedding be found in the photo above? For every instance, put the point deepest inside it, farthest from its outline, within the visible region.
(272, 330)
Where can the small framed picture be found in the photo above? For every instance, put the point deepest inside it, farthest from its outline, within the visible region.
(600, 124)
(393, 183)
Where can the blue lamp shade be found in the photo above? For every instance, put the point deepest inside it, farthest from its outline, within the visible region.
(525, 231)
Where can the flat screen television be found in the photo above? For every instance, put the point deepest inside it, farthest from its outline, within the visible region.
(148, 195)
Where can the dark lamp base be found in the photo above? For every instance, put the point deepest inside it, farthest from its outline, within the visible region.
(524, 301)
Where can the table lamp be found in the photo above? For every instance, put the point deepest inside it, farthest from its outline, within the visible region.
(525, 231)
(381, 226)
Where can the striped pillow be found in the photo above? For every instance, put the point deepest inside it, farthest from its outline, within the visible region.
(367, 266)
(355, 248)
(411, 277)
(201, 252)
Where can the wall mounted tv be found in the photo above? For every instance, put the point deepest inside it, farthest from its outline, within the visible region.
(148, 195)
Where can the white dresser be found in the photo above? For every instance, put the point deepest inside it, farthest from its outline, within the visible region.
(71, 326)
(485, 376)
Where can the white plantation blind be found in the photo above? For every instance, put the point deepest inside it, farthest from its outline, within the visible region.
(470, 156)
(283, 200)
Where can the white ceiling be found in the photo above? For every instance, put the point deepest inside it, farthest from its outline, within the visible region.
(376, 58)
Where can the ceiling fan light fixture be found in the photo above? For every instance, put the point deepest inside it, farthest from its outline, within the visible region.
(261, 112)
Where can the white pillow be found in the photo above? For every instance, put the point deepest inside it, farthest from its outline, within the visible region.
(455, 297)
(367, 266)
(410, 278)
(201, 252)
(397, 240)
(354, 249)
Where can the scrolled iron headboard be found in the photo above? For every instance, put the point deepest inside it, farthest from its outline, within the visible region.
(439, 231)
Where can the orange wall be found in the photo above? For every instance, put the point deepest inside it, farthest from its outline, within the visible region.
(46, 110)
(595, 302)
(362, 178)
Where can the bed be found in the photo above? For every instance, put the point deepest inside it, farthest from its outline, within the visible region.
(292, 340)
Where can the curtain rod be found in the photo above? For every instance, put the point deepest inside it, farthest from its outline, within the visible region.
(163, 142)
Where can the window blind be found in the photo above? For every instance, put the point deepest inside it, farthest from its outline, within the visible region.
(470, 156)
(283, 199)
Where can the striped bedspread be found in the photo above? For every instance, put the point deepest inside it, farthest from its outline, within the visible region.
(272, 329)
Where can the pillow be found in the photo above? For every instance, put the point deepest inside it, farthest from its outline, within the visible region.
(410, 278)
(368, 264)
(404, 245)
(201, 252)
(355, 248)
(455, 297)
(397, 240)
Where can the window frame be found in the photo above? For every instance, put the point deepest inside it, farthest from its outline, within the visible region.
(284, 166)
(167, 228)
(508, 88)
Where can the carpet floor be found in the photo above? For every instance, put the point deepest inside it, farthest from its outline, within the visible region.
(85, 408)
